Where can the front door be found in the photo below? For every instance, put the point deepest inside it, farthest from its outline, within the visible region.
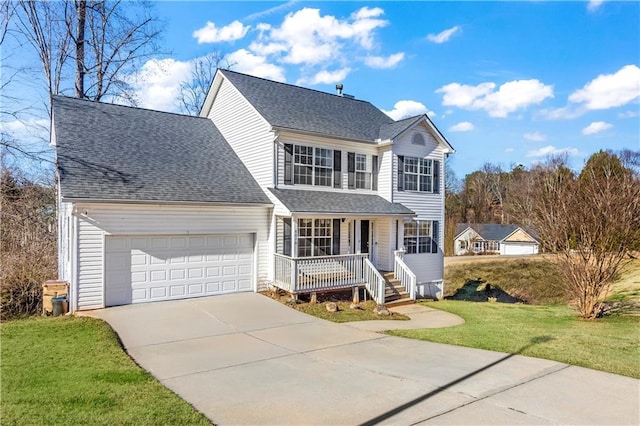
(364, 236)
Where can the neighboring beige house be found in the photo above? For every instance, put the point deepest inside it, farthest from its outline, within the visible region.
(491, 238)
(273, 184)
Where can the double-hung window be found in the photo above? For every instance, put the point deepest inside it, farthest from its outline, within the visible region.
(418, 174)
(315, 237)
(363, 171)
(421, 236)
(312, 166)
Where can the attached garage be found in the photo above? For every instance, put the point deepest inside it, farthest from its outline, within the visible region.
(518, 248)
(142, 269)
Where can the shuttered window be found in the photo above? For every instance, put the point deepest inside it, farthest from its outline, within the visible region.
(421, 236)
(418, 174)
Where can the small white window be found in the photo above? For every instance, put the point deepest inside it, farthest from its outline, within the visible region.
(418, 139)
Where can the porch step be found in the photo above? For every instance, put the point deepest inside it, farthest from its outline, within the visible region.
(399, 302)
(394, 292)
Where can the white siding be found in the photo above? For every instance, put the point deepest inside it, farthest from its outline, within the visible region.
(246, 131)
(427, 266)
(385, 175)
(114, 219)
(385, 241)
(65, 243)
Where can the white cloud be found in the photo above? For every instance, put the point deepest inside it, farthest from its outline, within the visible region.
(628, 114)
(596, 127)
(464, 126)
(27, 130)
(309, 38)
(594, 5)
(509, 149)
(157, 85)
(443, 36)
(610, 90)
(248, 63)
(407, 108)
(535, 137)
(211, 34)
(271, 11)
(326, 77)
(509, 97)
(567, 112)
(552, 150)
(381, 62)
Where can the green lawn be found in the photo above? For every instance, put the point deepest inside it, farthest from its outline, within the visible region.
(553, 332)
(71, 370)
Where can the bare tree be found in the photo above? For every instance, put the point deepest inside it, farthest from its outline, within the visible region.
(98, 42)
(194, 91)
(590, 222)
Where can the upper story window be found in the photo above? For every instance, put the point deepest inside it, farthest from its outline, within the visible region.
(305, 165)
(363, 171)
(418, 139)
(312, 166)
(418, 174)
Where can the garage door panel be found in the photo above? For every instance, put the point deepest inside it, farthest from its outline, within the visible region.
(143, 269)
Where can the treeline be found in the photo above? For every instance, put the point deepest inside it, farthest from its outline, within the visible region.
(496, 195)
(28, 252)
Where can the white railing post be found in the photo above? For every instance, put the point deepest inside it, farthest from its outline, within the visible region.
(402, 273)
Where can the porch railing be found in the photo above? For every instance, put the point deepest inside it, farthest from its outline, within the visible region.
(402, 273)
(374, 282)
(307, 274)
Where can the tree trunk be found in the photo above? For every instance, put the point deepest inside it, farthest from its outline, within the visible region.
(81, 8)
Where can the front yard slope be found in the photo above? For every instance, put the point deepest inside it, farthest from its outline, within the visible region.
(73, 371)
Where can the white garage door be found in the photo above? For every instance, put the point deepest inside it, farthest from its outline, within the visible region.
(152, 268)
(518, 248)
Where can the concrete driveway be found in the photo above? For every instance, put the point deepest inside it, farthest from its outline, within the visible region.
(246, 359)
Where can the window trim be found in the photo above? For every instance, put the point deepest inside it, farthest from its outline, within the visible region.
(315, 165)
(328, 234)
(422, 243)
(421, 175)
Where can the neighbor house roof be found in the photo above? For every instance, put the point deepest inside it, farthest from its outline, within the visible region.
(297, 108)
(112, 152)
(301, 201)
(490, 231)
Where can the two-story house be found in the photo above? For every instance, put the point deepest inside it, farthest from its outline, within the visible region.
(273, 185)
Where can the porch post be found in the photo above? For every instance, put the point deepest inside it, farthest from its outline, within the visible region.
(294, 236)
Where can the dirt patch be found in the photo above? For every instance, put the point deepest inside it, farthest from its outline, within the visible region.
(345, 311)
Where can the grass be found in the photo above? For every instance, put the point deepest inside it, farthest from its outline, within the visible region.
(70, 370)
(342, 299)
(532, 281)
(553, 332)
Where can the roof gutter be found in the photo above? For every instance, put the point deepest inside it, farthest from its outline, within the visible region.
(309, 133)
(162, 202)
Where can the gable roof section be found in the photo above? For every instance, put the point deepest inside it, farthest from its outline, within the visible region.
(297, 108)
(490, 231)
(391, 130)
(301, 201)
(109, 152)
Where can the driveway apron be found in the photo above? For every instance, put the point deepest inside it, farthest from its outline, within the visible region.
(246, 359)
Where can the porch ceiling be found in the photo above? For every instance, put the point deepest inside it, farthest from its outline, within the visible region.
(325, 202)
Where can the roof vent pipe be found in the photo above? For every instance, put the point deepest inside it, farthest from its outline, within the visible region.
(339, 88)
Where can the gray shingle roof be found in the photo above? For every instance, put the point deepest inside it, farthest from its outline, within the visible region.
(489, 231)
(300, 201)
(391, 130)
(112, 152)
(297, 108)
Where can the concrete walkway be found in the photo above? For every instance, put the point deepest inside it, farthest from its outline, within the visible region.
(246, 359)
(419, 317)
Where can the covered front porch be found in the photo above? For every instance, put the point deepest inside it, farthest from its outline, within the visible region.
(341, 245)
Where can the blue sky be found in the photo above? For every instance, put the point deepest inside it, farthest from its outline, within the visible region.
(506, 82)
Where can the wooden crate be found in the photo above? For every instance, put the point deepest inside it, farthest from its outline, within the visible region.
(51, 289)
